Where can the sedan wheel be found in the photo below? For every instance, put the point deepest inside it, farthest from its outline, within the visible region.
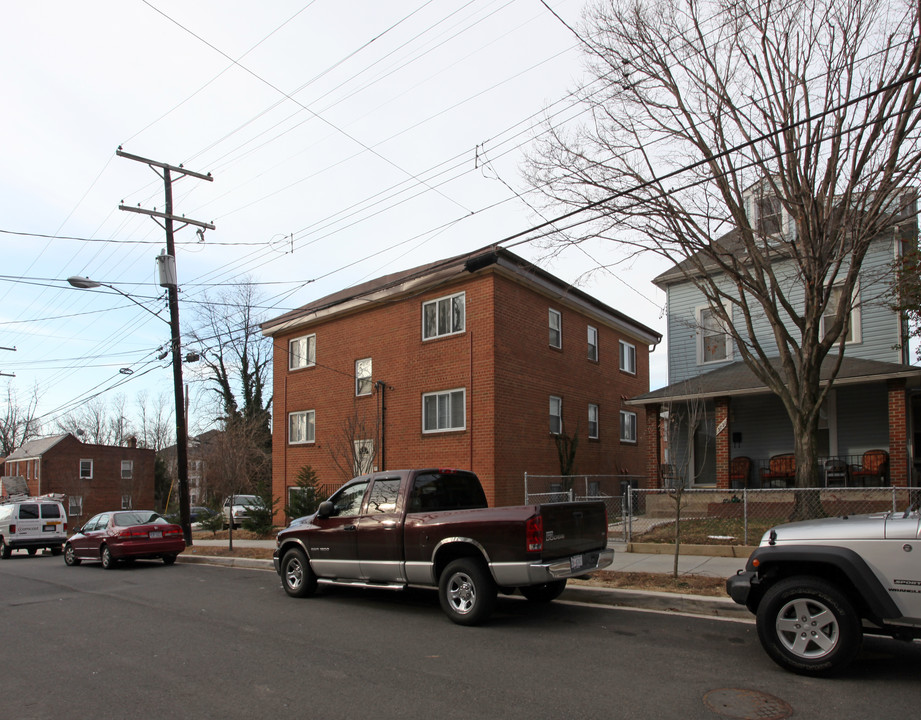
(70, 557)
(108, 561)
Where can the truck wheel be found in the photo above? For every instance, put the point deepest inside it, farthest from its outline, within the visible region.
(467, 591)
(808, 626)
(544, 593)
(297, 576)
(70, 557)
(5, 550)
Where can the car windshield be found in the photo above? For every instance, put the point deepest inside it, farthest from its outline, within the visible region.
(138, 517)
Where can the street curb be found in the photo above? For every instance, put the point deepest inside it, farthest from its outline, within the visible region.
(701, 605)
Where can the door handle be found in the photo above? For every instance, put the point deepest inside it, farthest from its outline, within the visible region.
(350, 527)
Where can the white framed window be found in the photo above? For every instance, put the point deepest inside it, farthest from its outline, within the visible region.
(302, 352)
(853, 334)
(627, 357)
(593, 421)
(363, 382)
(444, 316)
(556, 415)
(74, 505)
(556, 329)
(126, 502)
(592, 343)
(444, 410)
(301, 427)
(127, 469)
(86, 469)
(627, 426)
(714, 344)
(770, 215)
(363, 456)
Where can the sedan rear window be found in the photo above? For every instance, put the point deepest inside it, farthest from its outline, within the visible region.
(127, 519)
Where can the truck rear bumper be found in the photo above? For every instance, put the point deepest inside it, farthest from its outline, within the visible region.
(537, 573)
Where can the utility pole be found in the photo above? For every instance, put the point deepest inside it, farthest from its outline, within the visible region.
(169, 279)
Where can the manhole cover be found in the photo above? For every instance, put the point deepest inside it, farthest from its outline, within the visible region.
(747, 704)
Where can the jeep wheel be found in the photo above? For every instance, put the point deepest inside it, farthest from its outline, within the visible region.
(296, 575)
(547, 592)
(809, 626)
(467, 592)
(70, 557)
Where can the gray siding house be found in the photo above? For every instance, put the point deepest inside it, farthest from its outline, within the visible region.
(870, 429)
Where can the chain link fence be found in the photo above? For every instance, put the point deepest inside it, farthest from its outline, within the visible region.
(708, 516)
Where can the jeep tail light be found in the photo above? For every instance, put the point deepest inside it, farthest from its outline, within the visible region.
(534, 533)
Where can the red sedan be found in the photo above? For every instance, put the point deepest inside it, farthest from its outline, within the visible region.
(125, 535)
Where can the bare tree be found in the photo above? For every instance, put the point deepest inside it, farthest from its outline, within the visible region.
(19, 423)
(154, 424)
(353, 448)
(712, 122)
(99, 423)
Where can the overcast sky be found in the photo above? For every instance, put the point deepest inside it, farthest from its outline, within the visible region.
(346, 140)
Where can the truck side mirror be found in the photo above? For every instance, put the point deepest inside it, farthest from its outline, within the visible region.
(326, 509)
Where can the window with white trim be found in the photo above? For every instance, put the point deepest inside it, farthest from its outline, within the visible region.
(363, 457)
(74, 505)
(627, 426)
(445, 410)
(770, 215)
(556, 329)
(302, 352)
(593, 421)
(126, 502)
(592, 343)
(86, 469)
(556, 415)
(853, 327)
(627, 357)
(127, 469)
(714, 344)
(363, 383)
(301, 427)
(444, 316)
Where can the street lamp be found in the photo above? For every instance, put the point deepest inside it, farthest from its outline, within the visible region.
(182, 443)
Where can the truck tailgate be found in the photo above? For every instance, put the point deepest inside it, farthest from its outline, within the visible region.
(571, 528)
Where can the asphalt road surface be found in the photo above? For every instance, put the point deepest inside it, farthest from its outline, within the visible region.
(193, 641)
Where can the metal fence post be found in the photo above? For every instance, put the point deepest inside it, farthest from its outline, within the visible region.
(629, 514)
(745, 514)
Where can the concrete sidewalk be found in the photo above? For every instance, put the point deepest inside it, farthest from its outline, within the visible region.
(624, 561)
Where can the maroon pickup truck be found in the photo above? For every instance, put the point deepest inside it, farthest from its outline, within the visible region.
(433, 528)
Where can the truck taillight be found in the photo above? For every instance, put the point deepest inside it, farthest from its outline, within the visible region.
(534, 534)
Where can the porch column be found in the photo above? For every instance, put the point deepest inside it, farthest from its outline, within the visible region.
(653, 446)
(723, 433)
(898, 433)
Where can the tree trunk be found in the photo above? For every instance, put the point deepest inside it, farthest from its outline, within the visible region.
(807, 502)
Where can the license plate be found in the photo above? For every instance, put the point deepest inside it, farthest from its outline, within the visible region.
(155, 535)
(49, 528)
(575, 562)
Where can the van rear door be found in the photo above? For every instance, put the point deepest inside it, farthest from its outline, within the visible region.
(53, 521)
(28, 524)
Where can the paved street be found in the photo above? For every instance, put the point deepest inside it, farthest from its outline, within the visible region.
(213, 642)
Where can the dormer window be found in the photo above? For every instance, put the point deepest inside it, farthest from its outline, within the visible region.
(770, 215)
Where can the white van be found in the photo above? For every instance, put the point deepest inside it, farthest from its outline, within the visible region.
(31, 524)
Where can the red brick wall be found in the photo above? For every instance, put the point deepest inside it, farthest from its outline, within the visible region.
(59, 472)
(504, 362)
(898, 434)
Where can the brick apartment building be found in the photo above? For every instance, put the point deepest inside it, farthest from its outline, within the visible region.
(473, 362)
(95, 478)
